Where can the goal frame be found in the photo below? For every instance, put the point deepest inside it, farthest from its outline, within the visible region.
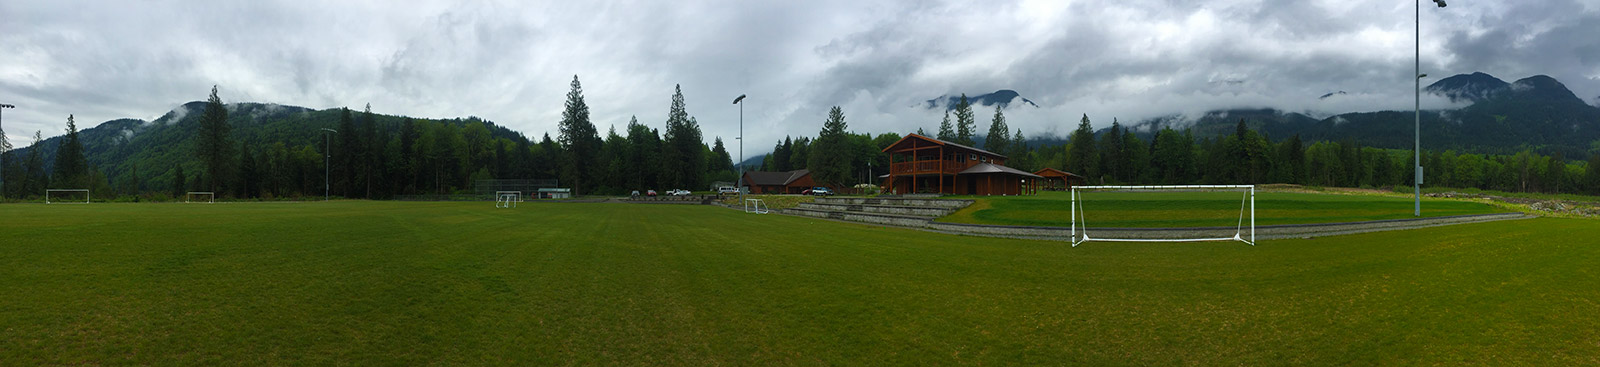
(212, 197)
(507, 199)
(1078, 213)
(756, 206)
(48, 191)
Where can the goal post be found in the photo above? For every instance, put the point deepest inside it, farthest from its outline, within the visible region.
(66, 193)
(1243, 231)
(507, 199)
(756, 206)
(207, 197)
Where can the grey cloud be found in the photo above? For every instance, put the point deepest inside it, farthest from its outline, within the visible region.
(510, 62)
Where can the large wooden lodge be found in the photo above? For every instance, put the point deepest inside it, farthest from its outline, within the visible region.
(920, 164)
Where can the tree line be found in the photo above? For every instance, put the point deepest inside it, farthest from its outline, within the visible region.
(379, 157)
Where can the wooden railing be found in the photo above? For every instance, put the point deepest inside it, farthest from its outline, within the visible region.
(902, 168)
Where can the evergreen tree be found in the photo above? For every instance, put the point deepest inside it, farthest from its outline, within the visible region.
(966, 126)
(35, 181)
(249, 182)
(1136, 157)
(1111, 157)
(720, 160)
(683, 151)
(344, 157)
(1172, 156)
(998, 140)
(213, 145)
(921, 132)
(832, 167)
(800, 154)
(178, 179)
(1289, 165)
(641, 166)
(579, 140)
(1019, 153)
(780, 155)
(947, 132)
(1081, 156)
(1592, 174)
(71, 170)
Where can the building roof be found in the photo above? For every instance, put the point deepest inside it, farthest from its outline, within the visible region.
(1052, 172)
(761, 178)
(995, 168)
(945, 143)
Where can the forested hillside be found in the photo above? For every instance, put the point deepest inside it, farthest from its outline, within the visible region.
(279, 151)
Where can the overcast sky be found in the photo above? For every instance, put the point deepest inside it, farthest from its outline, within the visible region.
(510, 62)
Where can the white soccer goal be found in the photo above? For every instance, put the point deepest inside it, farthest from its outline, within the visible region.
(507, 199)
(66, 196)
(200, 197)
(756, 206)
(1247, 199)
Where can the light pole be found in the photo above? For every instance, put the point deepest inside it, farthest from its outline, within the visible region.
(327, 151)
(1416, 180)
(4, 145)
(739, 184)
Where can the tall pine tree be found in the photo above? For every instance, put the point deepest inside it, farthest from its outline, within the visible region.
(999, 139)
(831, 166)
(1081, 157)
(213, 145)
(71, 171)
(947, 132)
(579, 140)
(966, 127)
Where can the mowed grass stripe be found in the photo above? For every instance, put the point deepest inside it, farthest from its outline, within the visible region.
(1201, 209)
(548, 283)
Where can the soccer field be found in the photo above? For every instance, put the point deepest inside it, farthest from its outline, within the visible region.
(405, 283)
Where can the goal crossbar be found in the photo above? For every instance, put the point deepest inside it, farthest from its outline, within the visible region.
(48, 191)
(211, 197)
(1249, 199)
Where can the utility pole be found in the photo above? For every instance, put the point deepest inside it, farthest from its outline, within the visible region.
(327, 152)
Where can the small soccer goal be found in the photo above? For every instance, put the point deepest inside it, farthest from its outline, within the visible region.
(756, 206)
(1182, 213)
(507, 199)
(66, 196)
(200, 197)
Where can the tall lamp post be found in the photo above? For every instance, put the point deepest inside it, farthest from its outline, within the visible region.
(1416, 180)
(4, 145)
(740, 182)
(327, 151)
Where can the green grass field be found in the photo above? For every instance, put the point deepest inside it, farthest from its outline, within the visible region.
(1201, 209)
(404, 283)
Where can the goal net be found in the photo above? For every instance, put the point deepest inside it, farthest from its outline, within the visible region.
(1184, 213)
(756, 206)
(507, 199)
(66, 196)
(200, 197)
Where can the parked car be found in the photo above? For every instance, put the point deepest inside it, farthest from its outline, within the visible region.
(650, 193)
(818, 191)
(727, 190)
(680, 192)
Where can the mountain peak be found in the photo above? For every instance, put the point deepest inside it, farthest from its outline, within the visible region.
(1543, 87)
(1003, 98)
(1475, 87)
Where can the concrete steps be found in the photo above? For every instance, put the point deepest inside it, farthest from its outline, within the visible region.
(910, 212)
